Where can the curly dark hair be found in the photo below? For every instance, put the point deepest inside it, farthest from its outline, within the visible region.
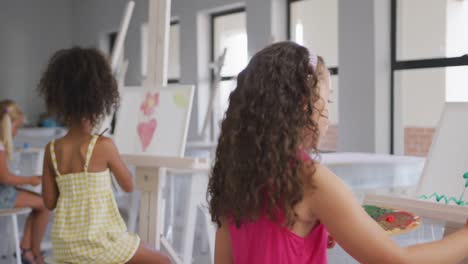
(256, 168)
(78, 84)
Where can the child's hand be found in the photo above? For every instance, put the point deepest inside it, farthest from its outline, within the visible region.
(35, 180)
(331, 242)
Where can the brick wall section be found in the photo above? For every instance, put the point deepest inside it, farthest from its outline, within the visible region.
(330, 141)
(418, 140)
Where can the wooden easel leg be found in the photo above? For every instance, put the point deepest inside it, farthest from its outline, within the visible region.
(198, 186)
(151, 182)
(144, 217)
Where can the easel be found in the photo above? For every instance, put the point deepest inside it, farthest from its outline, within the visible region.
(119, 67)
(207, 143)
(454, 216)
(217, 67)
(151, 176)
(152, 170)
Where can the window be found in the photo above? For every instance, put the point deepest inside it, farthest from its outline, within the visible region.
(112, 37)
(314, 24)
(429, 68)
(229, 31)
(173, 71)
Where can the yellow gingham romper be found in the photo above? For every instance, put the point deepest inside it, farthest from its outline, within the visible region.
(87, 225)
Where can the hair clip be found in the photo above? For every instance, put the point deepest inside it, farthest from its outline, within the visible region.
(5, 110)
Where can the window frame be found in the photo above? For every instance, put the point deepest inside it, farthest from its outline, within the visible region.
(174, 80)
(213, 17)
(399, 65)
(214, 132)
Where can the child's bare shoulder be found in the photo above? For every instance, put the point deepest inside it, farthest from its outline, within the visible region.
(105, 143)
(314, 168)
(105, 140)
(318, 173)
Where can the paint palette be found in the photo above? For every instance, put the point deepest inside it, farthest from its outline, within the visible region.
(393, 221)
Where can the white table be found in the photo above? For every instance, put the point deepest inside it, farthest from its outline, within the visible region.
(366, 172)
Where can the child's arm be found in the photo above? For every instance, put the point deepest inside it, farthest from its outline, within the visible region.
(223, 254)
(355, 231)
(117, 166)
(50, 190)
(9, 179)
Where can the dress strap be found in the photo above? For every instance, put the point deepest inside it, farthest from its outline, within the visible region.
(89, 153)
(53, 157)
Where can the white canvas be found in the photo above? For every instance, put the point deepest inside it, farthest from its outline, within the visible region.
(154, 122)
(444, 179)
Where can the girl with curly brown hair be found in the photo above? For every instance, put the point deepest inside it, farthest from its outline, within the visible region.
(272, 202)
(79, 88)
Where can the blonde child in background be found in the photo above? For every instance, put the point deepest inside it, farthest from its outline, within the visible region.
(11, 119)
(79, 88)
(272, 202)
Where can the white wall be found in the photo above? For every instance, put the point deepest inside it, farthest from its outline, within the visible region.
(30, 31)
(457, 45)
(422, 96)
(420, 27)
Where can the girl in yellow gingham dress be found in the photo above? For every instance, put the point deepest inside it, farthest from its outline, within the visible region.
(87, 225)
(79, 89)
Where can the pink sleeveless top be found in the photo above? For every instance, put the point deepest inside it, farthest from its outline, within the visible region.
(264, 241)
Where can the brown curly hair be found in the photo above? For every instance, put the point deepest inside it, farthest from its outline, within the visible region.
(78, 84)
(256, 169)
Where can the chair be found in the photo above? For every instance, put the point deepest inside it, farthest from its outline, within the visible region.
(13, 213)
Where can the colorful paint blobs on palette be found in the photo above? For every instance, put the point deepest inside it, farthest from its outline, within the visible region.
(181, 100)
(146, 132)
(450, 200)
(150, 103)
(400, 220)
(392, 221)
(375, 211)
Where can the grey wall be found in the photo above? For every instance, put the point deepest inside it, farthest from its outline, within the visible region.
(92, 19)
(382, 61)
(28, 36)
(30, 31)
(364, 70)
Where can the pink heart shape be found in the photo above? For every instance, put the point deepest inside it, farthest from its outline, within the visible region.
(146, 132)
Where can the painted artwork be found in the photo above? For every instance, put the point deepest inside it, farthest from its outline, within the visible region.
(393, 221)
(147, 127)
(445, 175)
(154, 121)
(461, 201)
